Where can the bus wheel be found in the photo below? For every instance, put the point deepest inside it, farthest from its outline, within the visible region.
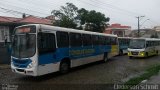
(121, 52)
(64, 67)
(146, 54)
(105, 58)
(130, 57)
(156, 52)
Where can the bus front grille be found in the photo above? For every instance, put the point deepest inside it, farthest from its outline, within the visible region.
(20, 70)
(134, 53)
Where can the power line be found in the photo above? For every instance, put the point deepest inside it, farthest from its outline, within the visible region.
(49, 4)
(8, 12)
(17, 12)
(94, 5)
(90, 4)
(115, 7)
(12, 11)
(9, 4)
(34, 4)
(104, 7)
(122, 9)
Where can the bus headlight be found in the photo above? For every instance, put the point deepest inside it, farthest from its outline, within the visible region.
(142, 53)
(31, 64)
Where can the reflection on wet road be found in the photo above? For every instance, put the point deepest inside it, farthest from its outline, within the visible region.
(114, 71)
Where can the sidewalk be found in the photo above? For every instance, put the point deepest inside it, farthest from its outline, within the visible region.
(4, 66)
(154, 80)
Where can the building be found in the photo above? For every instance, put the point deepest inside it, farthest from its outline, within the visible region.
(118, 29)
(157, 28)
(146, 33)
(142, 32)
(7, 25)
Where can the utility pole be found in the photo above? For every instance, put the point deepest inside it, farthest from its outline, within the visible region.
(139, 25)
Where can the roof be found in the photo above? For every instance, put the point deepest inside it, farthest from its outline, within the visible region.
(125, 37)
(118, 26)
(149, 39)
(35, 20)
(8, 19)
(28, 20)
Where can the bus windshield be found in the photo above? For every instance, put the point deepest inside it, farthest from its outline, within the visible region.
(24, 44)
(137, 44)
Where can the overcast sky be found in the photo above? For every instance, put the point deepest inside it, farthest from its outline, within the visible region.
(119, 11)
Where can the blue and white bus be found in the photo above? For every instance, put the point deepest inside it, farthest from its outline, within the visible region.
(41, 49)
(123, 44)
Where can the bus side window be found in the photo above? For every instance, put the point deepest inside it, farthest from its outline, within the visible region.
(62, 39)
(120, 41)
(150, 43)
(75, 40)
(107, 40)
(46, 43)
(123, 42)
(101, 41)
(127, 42)
(147, 44)
(95, 40)
(87, 41)
(113, 41)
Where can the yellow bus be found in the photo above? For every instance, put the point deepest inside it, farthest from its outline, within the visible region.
(143, 47)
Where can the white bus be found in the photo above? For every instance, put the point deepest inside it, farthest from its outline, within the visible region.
(143, 47)
(41, 49)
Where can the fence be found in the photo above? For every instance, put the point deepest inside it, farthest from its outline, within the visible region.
(4, 54)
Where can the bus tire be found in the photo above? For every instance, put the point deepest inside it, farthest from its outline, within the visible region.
(130, 57)
(120, 52)
(64, 66)
(146, 54)
(105, 58)
(157, 53)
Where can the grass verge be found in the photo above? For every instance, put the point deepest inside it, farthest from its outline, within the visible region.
(153, 70)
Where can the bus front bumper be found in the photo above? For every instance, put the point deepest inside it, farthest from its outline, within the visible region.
(136, 54)
(24, 71)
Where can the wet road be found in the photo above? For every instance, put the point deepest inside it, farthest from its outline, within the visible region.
(116, 70)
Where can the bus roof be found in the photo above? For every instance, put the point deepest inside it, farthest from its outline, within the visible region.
(49, 28)
(126, 37)
(149, 39)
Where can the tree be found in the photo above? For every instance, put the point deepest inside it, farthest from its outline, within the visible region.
(94, 21)
(66, 16)
(71, 17)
